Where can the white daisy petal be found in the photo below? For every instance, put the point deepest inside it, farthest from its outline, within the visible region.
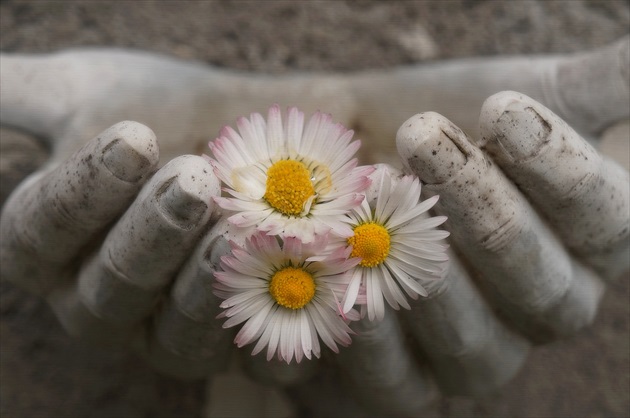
(353, 290)
(249, 133)
(387, 284)
(421, 208)
(305, 335)
(267, 334)
(374, 281)
(274, 339)
(241, 298)
(285, 302)
(259, 147)
(275, 132)
(322, 328)
(394, 288)
(418, 250)
(397, 244)
(411, 286)
(416, 225)
(252, 328)
(293, 172)
(241, 313)
(294, 128)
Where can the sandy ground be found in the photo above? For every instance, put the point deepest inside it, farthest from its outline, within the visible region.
(44, 373)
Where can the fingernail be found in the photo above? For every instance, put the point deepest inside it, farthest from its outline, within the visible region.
(183, 207)
(131, 152)
(217, 249)
(520, 133)
(432, 147)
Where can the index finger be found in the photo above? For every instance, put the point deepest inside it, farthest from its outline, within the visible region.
(54, 215)
(586, 197)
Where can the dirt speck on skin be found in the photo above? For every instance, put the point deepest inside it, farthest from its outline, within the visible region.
(45, 372)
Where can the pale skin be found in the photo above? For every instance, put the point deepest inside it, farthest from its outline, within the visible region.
(538, 218)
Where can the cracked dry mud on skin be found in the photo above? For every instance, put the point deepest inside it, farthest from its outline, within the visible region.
(43, 372)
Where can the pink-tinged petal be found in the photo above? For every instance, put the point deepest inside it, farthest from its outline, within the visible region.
(227, 203)
(349, 184)
(353, 315)
(246, 269)
(337, 326)
(343, 159)
(230, 134)
(294, 128)
(252, 329)
(246, 312)
(322, 326)
(276, 330)
(267, 334)
(275, 131)
(338, 206)
(337, 267)
(242, 298)
(259, 148)
(331, 140)
(249, 134)
(231, 153)
(310, 133)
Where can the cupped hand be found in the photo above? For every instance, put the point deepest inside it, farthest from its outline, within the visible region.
(102, 235)
(126, 254)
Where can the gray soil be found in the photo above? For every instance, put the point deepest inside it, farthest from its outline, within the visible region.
(45, 373)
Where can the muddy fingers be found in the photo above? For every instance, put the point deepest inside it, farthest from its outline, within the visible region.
(186, 326)
(517, 257)
(471, 351)
(121, 284)
(382, 370)
(55, 215)
(144, 250)
(585, 197)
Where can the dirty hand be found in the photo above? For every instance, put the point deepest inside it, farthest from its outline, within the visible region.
(124, 256)
(110, 248)
(537, 219)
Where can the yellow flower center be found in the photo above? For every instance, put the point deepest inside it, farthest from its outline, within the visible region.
(292, 287)
(370, 242)
(288, 186)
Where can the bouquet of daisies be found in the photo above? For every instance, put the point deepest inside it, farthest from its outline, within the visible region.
(326, 235)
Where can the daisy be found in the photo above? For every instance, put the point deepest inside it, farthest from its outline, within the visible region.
(287, 295)
(398, 246)
(288, 179)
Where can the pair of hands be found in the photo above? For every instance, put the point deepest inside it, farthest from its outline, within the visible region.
(125, 254)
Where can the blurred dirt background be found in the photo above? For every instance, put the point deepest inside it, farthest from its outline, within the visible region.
(44, 373)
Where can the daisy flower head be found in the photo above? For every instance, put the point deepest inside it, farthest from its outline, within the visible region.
(286, 178)
(287, 294)
(398, 244)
